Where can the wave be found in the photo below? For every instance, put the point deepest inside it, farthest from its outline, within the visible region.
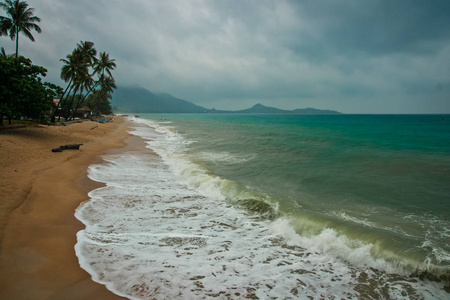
(225, 157)
(301, 231)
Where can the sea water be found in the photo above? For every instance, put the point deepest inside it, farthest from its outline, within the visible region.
(233, 206)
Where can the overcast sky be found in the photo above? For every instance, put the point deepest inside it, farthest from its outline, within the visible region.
(354, 56)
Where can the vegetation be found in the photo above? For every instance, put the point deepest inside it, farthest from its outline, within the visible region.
(23, 95)
(100, 99)
(99, 102)
(21, 20)
(22, 92)
(79, 69)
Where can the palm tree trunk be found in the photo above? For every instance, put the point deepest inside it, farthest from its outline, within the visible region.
(53, 119)
(77, 103)
(80, 100)
(71, 104)
(63, 102)
(90, 90)
(17, 42)
(85, 96)
(100, 98)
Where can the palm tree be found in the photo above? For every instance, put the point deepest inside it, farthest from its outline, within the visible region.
(104, 64)
(22, 20)
(83, 82)
(108, 85)
(100, 66)
(88, 51)
(74, 65)
(76, 71)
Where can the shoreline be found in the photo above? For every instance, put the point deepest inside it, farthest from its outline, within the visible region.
(40, 192)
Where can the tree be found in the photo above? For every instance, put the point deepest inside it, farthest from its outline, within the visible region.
(87, 51)
(99, 103)
(79, 70)
(21, 19)
(100, 99)
(108, 84)
(104, 64)
(84, 82)
(100, 66)
(22, 92)
(74, 66)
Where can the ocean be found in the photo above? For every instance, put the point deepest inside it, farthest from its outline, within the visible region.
(242, 206)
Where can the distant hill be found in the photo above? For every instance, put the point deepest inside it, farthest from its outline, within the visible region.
(261, 109)
(140, 100)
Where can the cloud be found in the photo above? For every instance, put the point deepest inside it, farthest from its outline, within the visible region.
(353, 56)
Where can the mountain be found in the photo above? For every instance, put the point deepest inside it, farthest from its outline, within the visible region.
(261, 109)
(140, 100)
(310, 110)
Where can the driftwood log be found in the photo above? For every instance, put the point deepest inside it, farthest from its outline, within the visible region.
(70, 146)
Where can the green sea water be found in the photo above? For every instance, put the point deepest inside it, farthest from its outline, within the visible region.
(343, 181)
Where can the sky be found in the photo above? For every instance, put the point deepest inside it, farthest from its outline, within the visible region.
(353, 56)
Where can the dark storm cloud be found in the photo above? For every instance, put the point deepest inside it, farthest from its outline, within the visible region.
(371, 28)
(353, 56)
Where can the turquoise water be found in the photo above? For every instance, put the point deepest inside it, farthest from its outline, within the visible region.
(382, 180)
(273, 207)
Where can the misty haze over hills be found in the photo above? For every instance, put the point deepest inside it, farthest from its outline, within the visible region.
(140, 100)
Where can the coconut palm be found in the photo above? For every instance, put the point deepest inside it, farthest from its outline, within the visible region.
(88, 51)
(74, 64)
(76, 71)
(100, 66)
(98, 102)
(21, 19)
(83, 81)
(78, 62)
(104, 64)
(107, 86)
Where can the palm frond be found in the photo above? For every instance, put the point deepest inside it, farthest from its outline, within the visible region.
(5, 25)
(21, 19)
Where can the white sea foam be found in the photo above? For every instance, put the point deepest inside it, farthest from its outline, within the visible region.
(225, 157)
(162, 228)
(360, 221)
(148, 236)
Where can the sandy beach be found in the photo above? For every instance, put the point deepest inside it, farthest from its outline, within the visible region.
(39, 192)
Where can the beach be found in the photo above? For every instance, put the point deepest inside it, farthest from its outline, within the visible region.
(39, 191)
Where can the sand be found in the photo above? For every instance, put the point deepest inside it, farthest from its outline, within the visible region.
(39, 192)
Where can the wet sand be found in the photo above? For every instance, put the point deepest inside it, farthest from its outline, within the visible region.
(39, 192)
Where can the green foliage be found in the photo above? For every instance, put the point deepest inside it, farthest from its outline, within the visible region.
(22, 92)
(79, 70)
(99, 103)
(21, 19)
